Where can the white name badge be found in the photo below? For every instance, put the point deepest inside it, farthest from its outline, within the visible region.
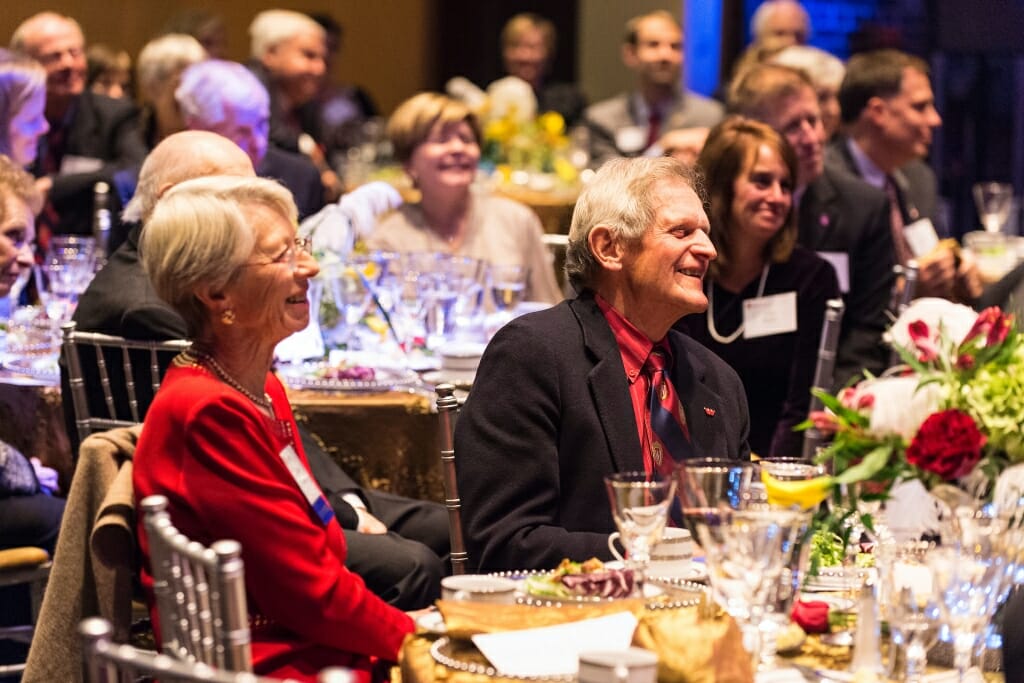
(309, 489)
(631, 139)
(71, 164)
(768, 315)
(840, 261)
(921, 236)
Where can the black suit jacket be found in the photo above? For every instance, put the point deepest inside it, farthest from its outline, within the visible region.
(298, 174)
(839, 212)
(550, 415)
(917, 186)
(99, 128)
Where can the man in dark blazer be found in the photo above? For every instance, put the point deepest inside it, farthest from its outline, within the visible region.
(555, 405)
(839, 216)
(398, 545)
(92, 138)
(631, 122)
(888, 113)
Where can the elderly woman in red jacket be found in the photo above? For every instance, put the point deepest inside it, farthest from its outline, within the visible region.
(220, 441)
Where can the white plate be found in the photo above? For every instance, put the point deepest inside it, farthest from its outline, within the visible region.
(308, 376)
(44, 368)
(459, 379)
(695, 571)
(687, 593)
(834, 602)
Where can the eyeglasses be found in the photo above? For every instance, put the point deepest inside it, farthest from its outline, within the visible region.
(303, 245)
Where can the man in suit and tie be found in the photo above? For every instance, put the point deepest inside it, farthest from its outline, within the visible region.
(92, 138)
(842, 218)
(888, 113)
(566, 396)
(632, 122)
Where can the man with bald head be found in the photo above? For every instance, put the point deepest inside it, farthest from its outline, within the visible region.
(379, 527)
(92, 138)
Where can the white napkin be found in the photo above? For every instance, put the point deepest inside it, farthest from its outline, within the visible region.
(555, 650)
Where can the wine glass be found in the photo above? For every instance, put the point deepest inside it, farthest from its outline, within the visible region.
(508, 286)
(639, 502)
(911, 607)
(971, 576)
(352, 298)
(994, 202)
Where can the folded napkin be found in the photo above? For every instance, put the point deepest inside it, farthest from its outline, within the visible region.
(555, 650)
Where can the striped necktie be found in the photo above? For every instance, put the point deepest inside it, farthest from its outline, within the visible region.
(668, 428)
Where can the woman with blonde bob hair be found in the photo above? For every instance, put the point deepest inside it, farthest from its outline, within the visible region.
(437, 140)
(22, 105)
(766, 294)
(221, 441)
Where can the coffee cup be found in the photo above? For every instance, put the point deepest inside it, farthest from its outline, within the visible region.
(478, 588)
(634, 665)
(670, 557)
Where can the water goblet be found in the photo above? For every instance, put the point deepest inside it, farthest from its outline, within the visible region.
(508, 286)
(994, 202)
(639, 503)
(352, 298)
(910, 607)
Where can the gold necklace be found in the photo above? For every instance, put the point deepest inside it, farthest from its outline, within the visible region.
(196, 356)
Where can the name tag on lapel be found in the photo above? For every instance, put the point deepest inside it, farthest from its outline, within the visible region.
(768, 315)
(71, 164)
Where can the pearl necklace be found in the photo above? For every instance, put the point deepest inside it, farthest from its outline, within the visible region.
(729, 339)
(197, 356)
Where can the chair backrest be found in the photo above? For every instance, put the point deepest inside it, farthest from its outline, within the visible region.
(556, 244)
(902, 296)
(448, 411)
(23, 566)
(128, 373)
(824, 370)
(200, 594)
(108, 662)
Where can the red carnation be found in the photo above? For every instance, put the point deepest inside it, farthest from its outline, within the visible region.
(948, 443)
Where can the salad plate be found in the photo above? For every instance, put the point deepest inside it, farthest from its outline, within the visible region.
(323, 376)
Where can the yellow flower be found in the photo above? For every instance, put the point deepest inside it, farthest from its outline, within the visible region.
(804, 493)
(551, 123)
(564, 170)
(499, 129)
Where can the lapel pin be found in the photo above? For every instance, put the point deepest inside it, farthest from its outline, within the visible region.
(710, 412)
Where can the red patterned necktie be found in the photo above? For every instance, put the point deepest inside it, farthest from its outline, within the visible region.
(670, 439)
(899, 240)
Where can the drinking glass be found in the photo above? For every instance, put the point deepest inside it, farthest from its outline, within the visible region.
(639, 503)
(972, 574)
(58, 285)
(994, 202)
(911, 607)
(352, 298)
(508, 286)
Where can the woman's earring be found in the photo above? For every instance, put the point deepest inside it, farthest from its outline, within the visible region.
(228, 317)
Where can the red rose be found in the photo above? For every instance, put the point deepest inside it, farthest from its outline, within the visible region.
(948, 443)
(811, 616)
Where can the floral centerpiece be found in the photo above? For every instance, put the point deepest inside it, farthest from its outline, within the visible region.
(520, 145)
(950, 418)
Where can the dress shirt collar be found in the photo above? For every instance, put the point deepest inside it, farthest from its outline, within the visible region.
(634, 346)
(869, 172)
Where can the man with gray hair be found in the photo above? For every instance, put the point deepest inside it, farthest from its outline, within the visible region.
(563, 397)
(779, 23)
(398, 545)
(226, 98)
(92, 138)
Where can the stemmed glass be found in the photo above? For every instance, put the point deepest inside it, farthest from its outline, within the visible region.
(911, 607)
(639, 503)
(994, 202)
(508, 286)
(747, 543)
(67, 268)
(352, 298)
(971, 575)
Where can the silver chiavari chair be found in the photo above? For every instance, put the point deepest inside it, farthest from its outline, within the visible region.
(902, 296)
(128, 372)
(824, 369)
(109, 662)
(448, 411)
(200, 594)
